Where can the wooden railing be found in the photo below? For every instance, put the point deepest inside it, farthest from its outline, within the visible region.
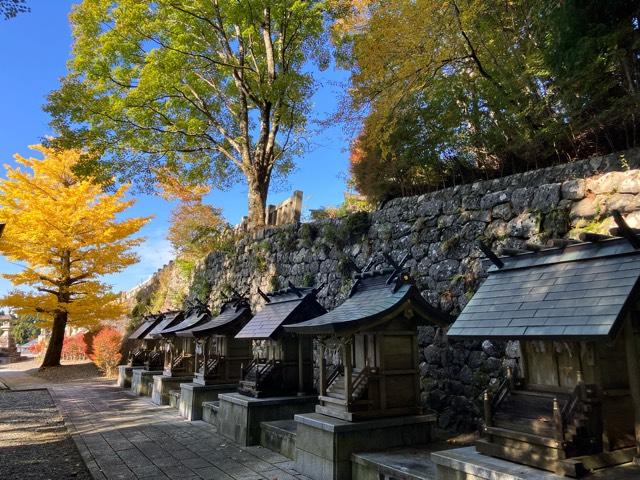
(244, 370)
(177, 361)
(263, 371)
(360, 381)
(492, 401)
(335, 373)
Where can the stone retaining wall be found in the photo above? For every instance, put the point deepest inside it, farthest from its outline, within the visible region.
(440, 231)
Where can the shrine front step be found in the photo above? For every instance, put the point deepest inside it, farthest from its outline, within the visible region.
(239, 416)
(210, 412)
(468, 464)
(174, 398)
(125, 375)
(324, 445)
(142, 381)
(403, 463)
(163, 384)
(194, 395)
(279, 436)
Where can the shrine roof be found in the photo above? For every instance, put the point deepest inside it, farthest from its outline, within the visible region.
(284, 307)
(375, 295)
(232, 313)
(580, 291)
(194, 316)
(145, 327)
(168, 319)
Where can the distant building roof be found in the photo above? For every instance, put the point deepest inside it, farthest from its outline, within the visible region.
(168, 319)
(285, 307)
(145, 327)
(579, 292)
(375, 295)
(233, 315)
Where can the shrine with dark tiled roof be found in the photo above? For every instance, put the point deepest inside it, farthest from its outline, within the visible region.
(142, 379)
(178, 354)
(278, 382)
(373, 396)
(143, 353)
(570, 405)
(218, 358)
(283, 362)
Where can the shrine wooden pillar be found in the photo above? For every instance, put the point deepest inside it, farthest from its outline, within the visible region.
(300, 368)
(633, 368)
(323, 373)
(347, 370)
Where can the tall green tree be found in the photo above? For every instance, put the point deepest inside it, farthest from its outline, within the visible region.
(206, 88)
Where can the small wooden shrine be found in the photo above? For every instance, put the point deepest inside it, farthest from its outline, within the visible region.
(218, 355)
(179, 351)
(156, 355)
(282, 362)
(141, 349)
(376, 332)
(573, 402)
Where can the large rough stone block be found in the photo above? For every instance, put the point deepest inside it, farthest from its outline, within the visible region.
(324, 444)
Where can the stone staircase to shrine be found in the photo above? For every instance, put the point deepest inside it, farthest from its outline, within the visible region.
(524, 428)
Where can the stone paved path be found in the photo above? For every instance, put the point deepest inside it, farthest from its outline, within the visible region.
(121, 436)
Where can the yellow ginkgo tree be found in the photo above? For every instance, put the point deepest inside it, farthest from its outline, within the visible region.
(66, 233)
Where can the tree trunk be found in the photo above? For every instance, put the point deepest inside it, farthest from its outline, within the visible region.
(54, 349)
(257, 202)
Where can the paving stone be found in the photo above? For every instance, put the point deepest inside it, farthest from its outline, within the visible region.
(122, 436)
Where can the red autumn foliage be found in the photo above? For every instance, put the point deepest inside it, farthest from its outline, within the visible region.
(74, 347)
(106, 350)
(38, 348)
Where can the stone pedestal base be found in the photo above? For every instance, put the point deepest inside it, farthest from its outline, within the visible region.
(125, 374)
(239, 416)
(467, 464)
(324, 444)
(279, 437)
(161, 386)
(192, 395)
(142, 381)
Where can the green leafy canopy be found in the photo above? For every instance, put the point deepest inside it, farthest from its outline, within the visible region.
(209, 89)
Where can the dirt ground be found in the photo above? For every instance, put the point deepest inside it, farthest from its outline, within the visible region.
(25, 374)
(34, 442)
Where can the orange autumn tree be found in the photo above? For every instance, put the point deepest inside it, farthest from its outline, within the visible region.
(195, 228)
(65, 229)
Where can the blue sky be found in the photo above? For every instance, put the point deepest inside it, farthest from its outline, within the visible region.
(34, 49)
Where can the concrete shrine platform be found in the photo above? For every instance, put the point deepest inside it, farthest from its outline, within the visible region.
(142, 381)
(408, 463)
(162, 386)
(193, 395)
(324, 444)
(467, 464)
(239, 416)
(125, 374)
(280, 436)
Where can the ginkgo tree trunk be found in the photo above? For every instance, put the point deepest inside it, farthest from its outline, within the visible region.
(65, 233)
